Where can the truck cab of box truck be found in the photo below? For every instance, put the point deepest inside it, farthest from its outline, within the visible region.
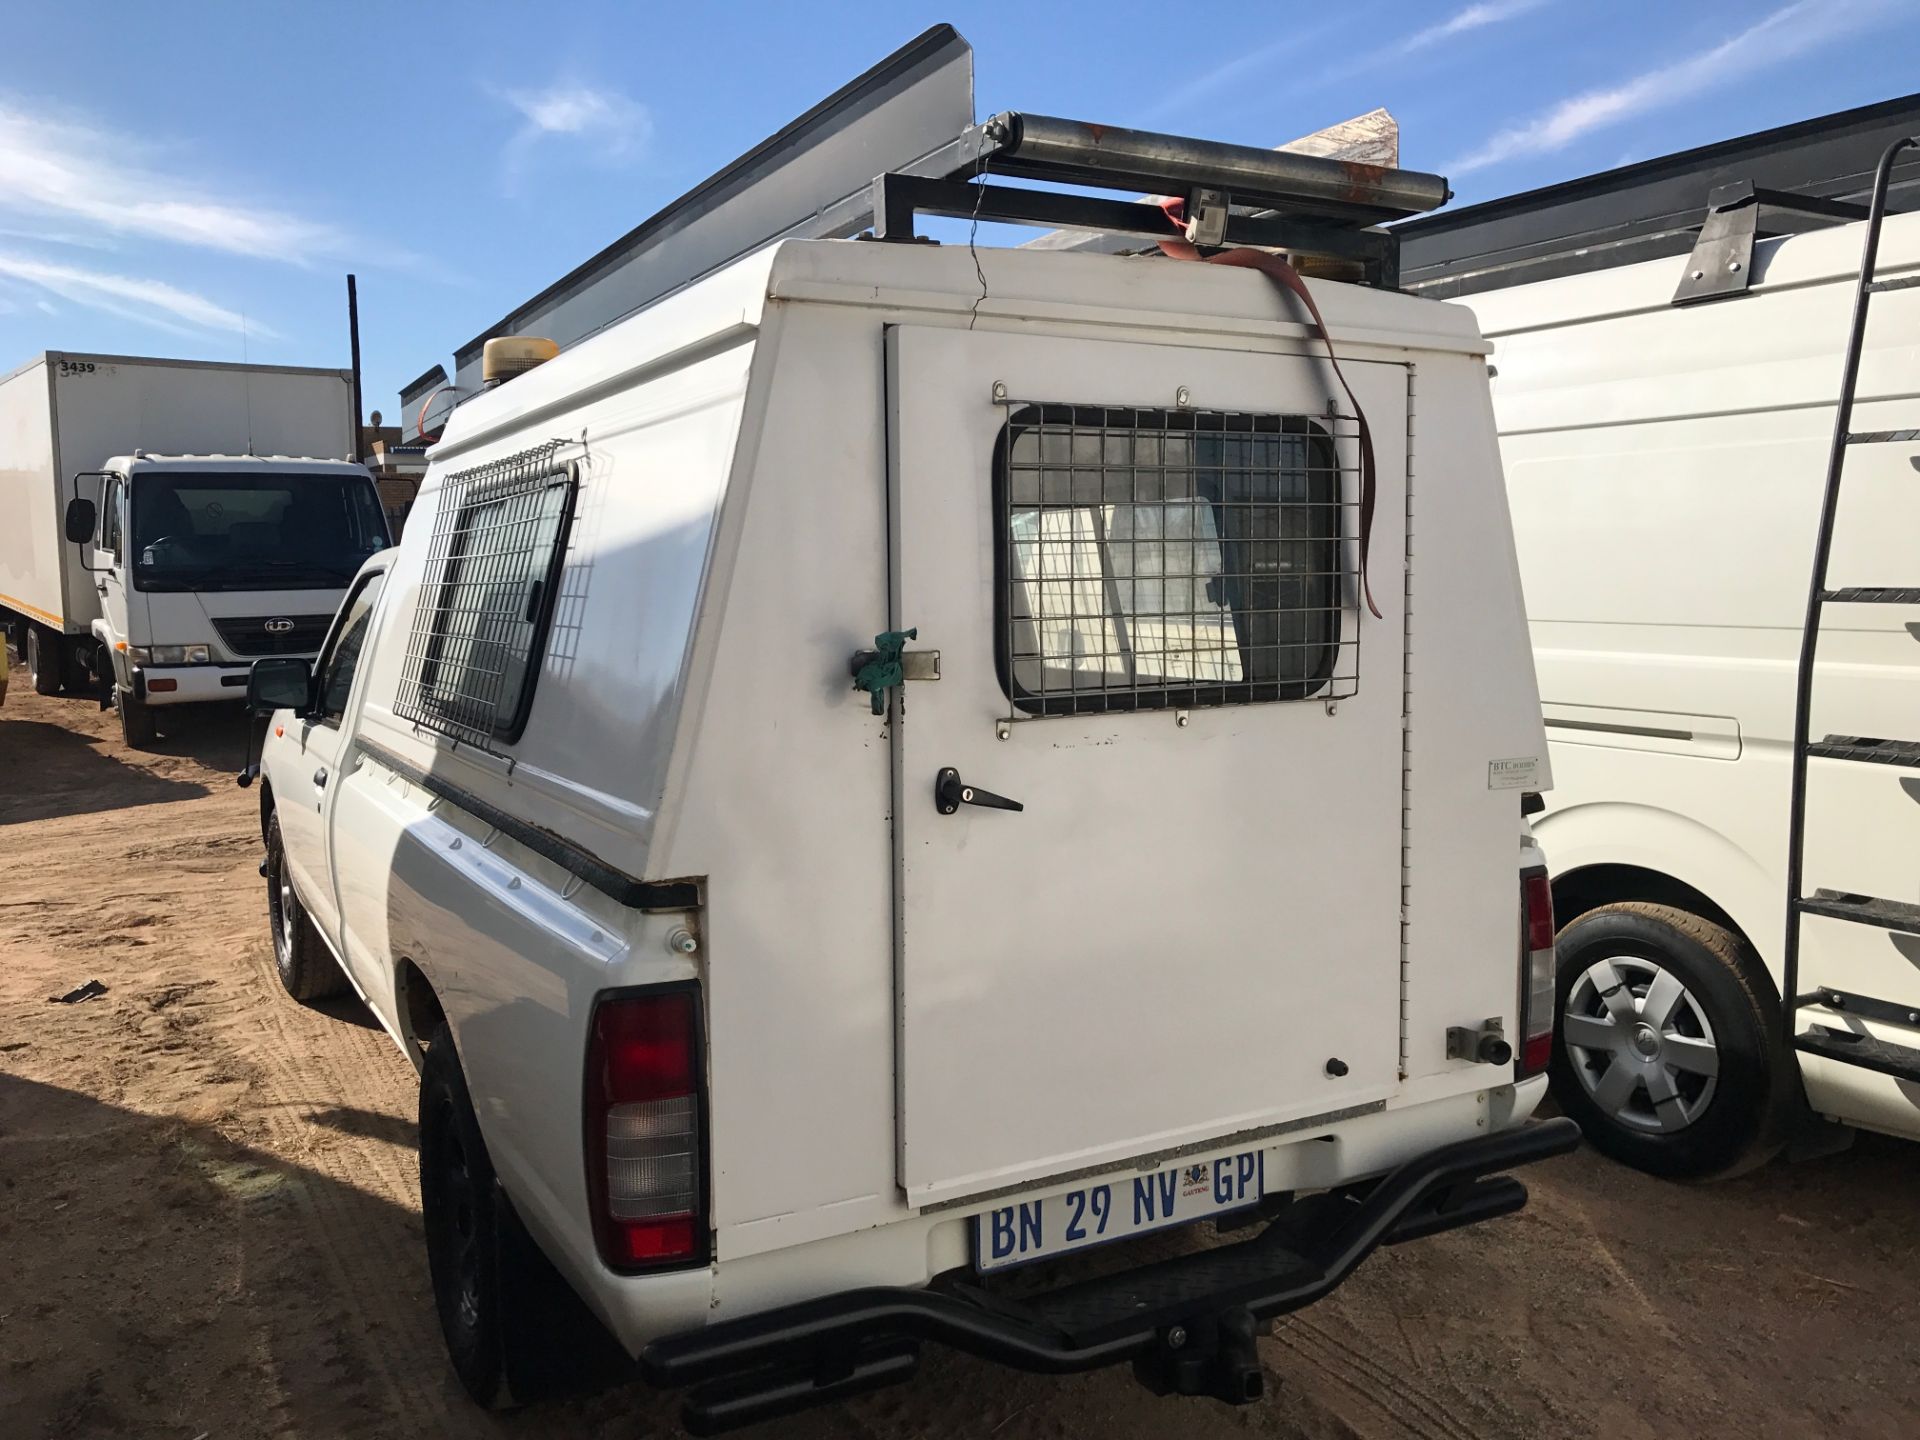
(204, 563)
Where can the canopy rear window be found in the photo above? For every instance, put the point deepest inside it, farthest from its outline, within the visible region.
(1154, 558)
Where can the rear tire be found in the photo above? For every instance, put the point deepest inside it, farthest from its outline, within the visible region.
(307, 971)
(43, 659)
(1669, 1051)
(515, 1331)
(136, 720)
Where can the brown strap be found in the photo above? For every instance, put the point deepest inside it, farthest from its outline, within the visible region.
(1277, 269)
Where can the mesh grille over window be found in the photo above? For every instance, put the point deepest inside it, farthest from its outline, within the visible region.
(499, 537)
(1153, 558)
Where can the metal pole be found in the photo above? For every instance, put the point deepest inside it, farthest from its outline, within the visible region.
(353, 336)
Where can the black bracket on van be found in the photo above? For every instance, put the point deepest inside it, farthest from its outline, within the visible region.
(1187, 1325)
(1738, 214)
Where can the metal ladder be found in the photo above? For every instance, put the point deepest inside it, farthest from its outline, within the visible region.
(1847, 1046)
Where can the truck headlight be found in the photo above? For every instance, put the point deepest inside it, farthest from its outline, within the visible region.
(139, 655)
(179, 654)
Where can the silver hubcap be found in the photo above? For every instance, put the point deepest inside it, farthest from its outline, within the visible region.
(1640, 1044)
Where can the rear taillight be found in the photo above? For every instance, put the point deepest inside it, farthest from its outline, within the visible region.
(643, 1129)
(1536, 973)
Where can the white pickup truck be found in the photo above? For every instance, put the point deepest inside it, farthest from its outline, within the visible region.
(851, 787)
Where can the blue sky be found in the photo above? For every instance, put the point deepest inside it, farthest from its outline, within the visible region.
(196, 179)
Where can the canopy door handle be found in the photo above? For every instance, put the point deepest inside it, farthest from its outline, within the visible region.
(950, 792)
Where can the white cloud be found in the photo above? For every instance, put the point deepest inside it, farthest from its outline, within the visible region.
(54, 237)
(1474, 17)
(1179, 98)
(72, 171)
(150, 302)
(47, 306)
(608, 126)
(1787, 32)
(1323, 72)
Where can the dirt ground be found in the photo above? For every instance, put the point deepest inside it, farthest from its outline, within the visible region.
(209, 1210)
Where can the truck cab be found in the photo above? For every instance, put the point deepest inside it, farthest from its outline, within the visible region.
(204, 563)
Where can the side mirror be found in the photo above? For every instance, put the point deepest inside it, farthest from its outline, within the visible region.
(81, 518)
(284, 682)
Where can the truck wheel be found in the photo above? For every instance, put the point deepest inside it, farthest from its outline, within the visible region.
(136, 720)
(307, 971)
(43, 659)
(1670, 1054)
(75, 672)
(515, 1330)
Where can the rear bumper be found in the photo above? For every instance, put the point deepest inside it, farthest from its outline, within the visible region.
(1187, 1324)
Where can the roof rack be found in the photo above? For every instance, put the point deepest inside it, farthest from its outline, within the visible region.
(1233, 194)
(1653, 209)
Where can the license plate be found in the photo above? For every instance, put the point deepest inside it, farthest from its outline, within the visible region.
(1109, 1210)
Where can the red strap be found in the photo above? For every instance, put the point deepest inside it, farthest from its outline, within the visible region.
(1276, 269)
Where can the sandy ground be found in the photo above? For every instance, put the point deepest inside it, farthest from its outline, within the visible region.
(209, 1211)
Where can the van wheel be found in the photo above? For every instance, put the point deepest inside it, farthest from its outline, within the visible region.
(515, 1331)
(1670, 1054)
(43, 659)
(136, 721)
(307, 971)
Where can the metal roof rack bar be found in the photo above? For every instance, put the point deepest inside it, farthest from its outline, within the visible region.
(897, 199)
(1043, 147)
(1233, 194)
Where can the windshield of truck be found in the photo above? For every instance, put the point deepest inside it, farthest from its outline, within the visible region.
(252, 531)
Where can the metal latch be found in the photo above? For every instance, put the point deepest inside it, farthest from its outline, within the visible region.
(1484, 1044)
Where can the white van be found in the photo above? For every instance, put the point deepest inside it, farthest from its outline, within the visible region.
(1665, 464)
(879, 770)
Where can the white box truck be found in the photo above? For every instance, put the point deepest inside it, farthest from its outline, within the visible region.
(789, 983)
(222, 512)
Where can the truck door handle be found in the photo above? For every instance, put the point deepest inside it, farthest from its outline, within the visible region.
(320, 776)
(950, 792)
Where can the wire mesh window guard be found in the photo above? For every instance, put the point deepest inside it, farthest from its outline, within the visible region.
(499, 538)
(1161, 558)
